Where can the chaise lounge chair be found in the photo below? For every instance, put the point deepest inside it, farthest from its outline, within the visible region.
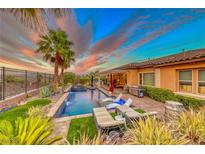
(114, 105)
(104, 121)
(109, 99)
(130, 114)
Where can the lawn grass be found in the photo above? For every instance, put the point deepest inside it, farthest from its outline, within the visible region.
(86, 125)
(20, 111)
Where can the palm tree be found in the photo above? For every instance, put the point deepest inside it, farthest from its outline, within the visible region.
(92, 76)
(66, 60)
(53, 45)
(34, 17)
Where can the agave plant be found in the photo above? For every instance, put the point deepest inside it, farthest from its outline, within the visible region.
(152, 132)
(191, 124)
(44, 92)
(35, 111)
(29, 131)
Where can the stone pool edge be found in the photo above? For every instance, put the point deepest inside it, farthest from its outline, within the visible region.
(57, 104)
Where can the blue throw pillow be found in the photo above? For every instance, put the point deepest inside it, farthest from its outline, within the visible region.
(120, 101)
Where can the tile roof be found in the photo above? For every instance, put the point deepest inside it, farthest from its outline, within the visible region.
(180, 57)
(183, 57)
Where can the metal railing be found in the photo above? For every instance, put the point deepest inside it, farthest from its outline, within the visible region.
(15, 81)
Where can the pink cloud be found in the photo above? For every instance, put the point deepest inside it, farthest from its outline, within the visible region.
(28, 52)
(80, 35)
(86, 64)
(108, 44)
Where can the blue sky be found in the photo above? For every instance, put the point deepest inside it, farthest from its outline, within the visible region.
(107, 38)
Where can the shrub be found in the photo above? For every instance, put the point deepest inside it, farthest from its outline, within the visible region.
(85, 139)
(35, 111)
(152, 132)
(51, 89)
(44, 92)
(162, 95)
(159, 94)
(69, 77)
(191, 124)
(29, 131)
(189, 102)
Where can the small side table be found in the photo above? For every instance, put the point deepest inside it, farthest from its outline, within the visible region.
(119, 118)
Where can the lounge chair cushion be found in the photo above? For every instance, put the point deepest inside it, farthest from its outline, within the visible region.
(104, 119)
(128, 102)
(120, 101)
(112, 106)
(132, 114)
(109, 99)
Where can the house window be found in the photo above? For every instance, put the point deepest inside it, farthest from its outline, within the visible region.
(185, 81)
(201, 81)
(148, 79)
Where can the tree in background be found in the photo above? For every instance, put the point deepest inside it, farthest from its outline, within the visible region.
(54, 46)
(66, 60)
(69, 77)
(93, 76)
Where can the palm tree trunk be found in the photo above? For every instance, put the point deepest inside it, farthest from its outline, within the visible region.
(56, 72)
(62, 78)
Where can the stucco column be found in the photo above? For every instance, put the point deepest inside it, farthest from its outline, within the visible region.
(194, 81)
(157, 77)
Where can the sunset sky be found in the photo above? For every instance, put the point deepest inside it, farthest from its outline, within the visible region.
(106, 38)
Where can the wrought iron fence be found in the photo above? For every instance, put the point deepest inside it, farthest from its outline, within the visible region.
(15, 81)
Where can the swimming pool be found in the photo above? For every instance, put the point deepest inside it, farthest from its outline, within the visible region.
(81, 102)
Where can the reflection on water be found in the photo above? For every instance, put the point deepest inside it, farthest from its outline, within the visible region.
(80, 103)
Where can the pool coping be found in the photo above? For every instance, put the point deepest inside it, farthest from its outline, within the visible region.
(57, 104)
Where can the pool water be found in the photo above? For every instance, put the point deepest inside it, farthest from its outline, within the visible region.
(78, 103)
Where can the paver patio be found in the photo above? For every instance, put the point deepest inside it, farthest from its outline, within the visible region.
(145, 103)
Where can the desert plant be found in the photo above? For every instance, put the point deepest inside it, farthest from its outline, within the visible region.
(51, 89)
(29, 131)
(99, 139)
(152, 132)
(191, 124)
(44, 92)
(35, 111)
(85, 139)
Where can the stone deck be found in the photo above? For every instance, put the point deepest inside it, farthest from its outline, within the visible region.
(146, 103)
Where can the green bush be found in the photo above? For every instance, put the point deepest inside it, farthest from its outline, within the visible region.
(51, 89)
(46, 91)
(190, 102)
(159, 94)
(69, 78)
(162, 95)
(83, 80)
